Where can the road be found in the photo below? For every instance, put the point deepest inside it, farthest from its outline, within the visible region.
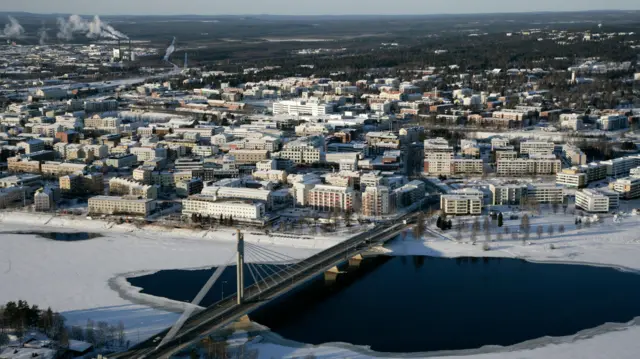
(227, 311)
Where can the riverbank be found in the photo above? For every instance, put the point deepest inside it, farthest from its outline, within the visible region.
(74, 277)
(611, 244)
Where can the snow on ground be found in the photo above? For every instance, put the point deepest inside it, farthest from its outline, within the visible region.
(73, 277)
(609, 243)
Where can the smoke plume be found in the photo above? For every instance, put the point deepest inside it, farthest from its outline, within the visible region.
(13, 29)
(92, 29)
(42, 35)
(170, 49)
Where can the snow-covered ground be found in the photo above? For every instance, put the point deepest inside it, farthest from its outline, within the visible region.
(73, 277)
(608, 244)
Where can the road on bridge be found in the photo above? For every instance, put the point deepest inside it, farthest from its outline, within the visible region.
(227, 310)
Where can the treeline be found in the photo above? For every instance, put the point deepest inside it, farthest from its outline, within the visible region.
(20, 317)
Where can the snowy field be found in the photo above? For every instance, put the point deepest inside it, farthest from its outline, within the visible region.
(73, 277)
(608, 244)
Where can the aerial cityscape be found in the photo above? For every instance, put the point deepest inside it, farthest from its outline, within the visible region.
(337, 185)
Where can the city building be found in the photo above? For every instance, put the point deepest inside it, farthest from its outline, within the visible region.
(249, 156)
(113, 205)
(377, 201)
(332, 198)
(571, 178)
(528, 166)
(125, 187)
(189, 187)
(508, 194)
(612, 122)
(209, 206)
(301, 107)
(536, 147)
(593, 200)
(545, 193)
(462, 202)
(628, 187)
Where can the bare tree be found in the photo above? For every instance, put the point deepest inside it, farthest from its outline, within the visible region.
(561, 228)
(487, 236)
(555, 207)
(499, 236)
(485, 224)
(507, 230)
(514, 236)
(550, 230)
(419, 228)
(539, 232)
(525, 226)
(474, 234)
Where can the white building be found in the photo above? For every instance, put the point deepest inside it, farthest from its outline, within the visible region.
(528, 166)
(121, 205)
(377, 201)
(462, 202)
(536, 147)
(592, 200)
(209, 206)
(571, 178)
(508, 194)
(612, 122)
(301, 107)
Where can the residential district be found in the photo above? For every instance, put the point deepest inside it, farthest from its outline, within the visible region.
(299, 148)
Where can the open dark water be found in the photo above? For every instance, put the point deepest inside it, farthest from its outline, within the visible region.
(417, 303)
(60, 236)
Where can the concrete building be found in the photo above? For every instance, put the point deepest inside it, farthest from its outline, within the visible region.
(528, 166)
(621, 167)
(574, 155)
(209, 206)
(301, 107)
(545, 193)
(508, 194)
(57, 169)
(499, 142)
(462, 202)
(125, 187)
(121, 206)
(592, 200)
(11, 195)
(536, 147)
(332, 198)
(612, 122)
(628, 187)
(121, 161)
(31, 145)
(571, 178)
(377, 201)
(79, 184)
(249, 156)
(44, 200)
(189, 187)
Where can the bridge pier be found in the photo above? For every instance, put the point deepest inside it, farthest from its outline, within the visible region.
(240, 267)
(354, 262)
(332, 274)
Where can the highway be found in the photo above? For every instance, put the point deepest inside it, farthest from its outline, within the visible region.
(227, 310)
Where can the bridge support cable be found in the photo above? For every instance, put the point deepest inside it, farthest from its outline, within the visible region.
(260, 271)
(276, 257)
(266, 259)
(255, 280)
(195, 302)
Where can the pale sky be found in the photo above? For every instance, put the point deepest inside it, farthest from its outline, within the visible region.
(301, 7)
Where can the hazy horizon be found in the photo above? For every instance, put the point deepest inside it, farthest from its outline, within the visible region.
(293, 8)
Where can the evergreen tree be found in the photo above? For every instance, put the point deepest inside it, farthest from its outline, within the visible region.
(500, 220)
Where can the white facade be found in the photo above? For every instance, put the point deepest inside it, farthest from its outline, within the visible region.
(545, 193)
(577, 180)
(536, 147)
(462, 203)
(592, 200)
(301, 107)
(207, 205)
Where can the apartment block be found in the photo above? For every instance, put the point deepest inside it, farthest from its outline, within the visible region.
(526, 167)
(628, 187)
(508, 194)
(249, 156)
(571, 178)
(377, 201)
(536, 147)
(463, 202)
(121, 206)
(209, 206)
(331, 198)
(592, 200)
(545, 193)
